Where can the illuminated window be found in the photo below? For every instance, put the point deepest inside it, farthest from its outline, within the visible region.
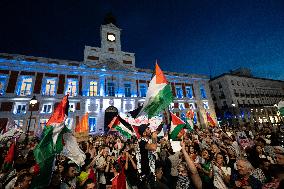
(71, 107)
(110, 89)
(202, 91)
(93, 88)
(127, 89)
(183, 117)
(189, 93)
(46, 108)
(192, 106)
(49, 86)
(25, 86)
(71, 87)
(179, 92)
(195, 118)
(3, 80)
(20, 108)
(205, 105)
(19, 123)
(92, 124)
(181, 106)
(69, 122)
(143, 90)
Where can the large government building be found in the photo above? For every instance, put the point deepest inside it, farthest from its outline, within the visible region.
(241, 98)
(107, 80)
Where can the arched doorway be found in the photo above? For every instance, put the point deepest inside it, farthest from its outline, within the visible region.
(110, 113)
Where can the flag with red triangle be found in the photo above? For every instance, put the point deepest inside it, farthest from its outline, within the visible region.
(57, 138)
(177, 127)
(159, 95)
(9, 159)
(121, 126)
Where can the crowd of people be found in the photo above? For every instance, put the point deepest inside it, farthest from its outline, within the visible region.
(220, 158)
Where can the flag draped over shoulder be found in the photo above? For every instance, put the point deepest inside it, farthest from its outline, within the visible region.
(281, 108)
(8, 161)
(51, 144)
(177, 127)
(121, 126)
(159, 94)
(210, 121)
(83, 126)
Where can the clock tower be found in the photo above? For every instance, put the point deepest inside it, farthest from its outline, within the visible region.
(110, 38)
(110, 50)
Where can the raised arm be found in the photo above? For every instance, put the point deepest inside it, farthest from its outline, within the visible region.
(194, 173)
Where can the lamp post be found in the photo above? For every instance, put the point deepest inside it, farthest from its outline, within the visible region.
(32, 103)
(233, 112)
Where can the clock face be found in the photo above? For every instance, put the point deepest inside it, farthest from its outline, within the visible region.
(111, 37)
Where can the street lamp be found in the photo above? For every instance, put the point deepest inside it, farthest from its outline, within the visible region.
(32, 103)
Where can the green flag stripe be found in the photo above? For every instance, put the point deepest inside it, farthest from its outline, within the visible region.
(176, 130)
(124, 133)
(159, 102)
(281, 110)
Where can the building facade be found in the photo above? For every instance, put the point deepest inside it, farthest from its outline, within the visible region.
(106, 78)
(239, 97)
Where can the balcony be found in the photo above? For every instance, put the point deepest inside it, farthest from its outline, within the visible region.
(49, 93)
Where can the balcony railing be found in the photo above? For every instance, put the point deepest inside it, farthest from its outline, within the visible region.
(25, 93)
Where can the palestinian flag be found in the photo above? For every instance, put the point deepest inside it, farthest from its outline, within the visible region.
(177, 127)
(189, 119)
(121, 126)
(51, 144)
(159, 95)
(281, 108)
(8, 161)
(210, 121)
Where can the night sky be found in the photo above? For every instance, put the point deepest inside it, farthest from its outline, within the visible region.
(184, 35)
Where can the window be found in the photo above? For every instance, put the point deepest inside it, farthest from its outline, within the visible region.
(20, 108)
(127, 89)
(192, 106)
(195, 118)
(93, 88)
(19, 123)
(42, 123)
(183, 117)
(181, 106)
(179, 92)
(92, 124)
(71, 87)
(46, 108)
(3, 80)
(71, 107)
(25, 86)
(205, 105)
(202, 91)
(49, 87)
(93, 105)
(110, 89)
(143, 90)
(189, 93)
(69, 122)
